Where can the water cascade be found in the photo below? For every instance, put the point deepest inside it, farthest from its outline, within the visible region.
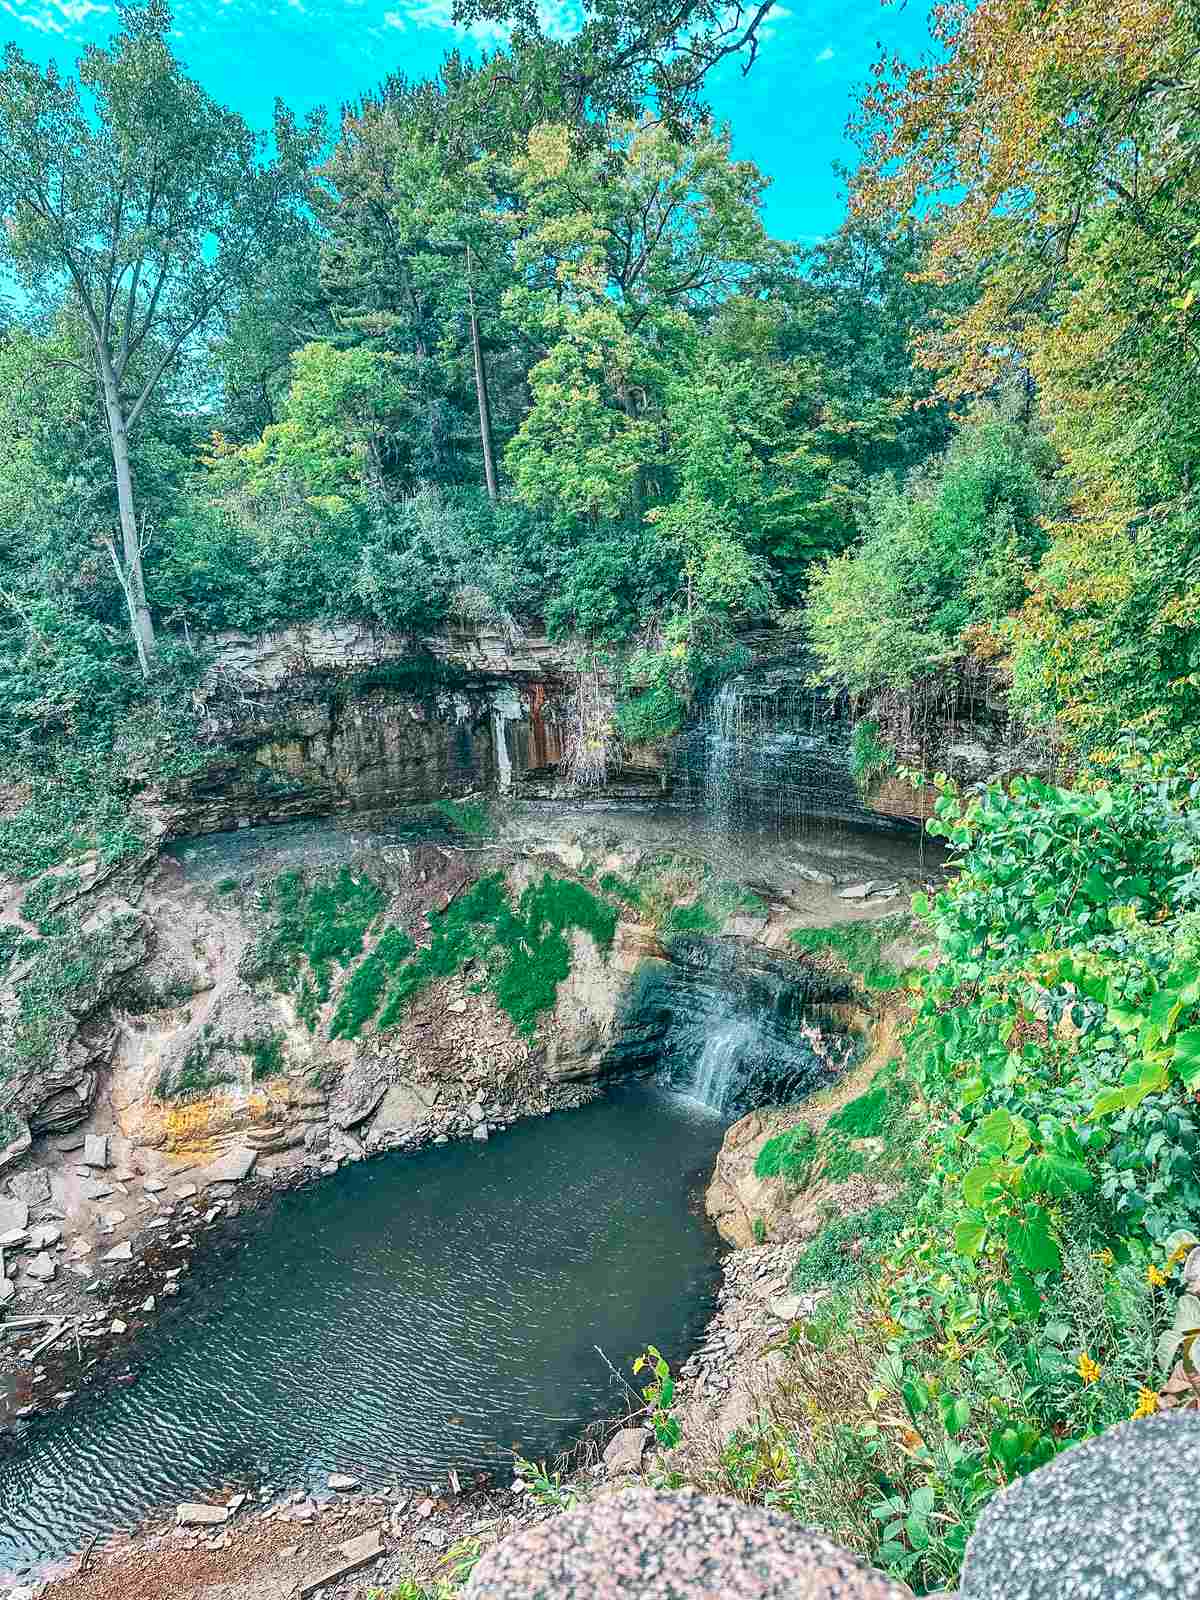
(732, 1026)
(768, 748)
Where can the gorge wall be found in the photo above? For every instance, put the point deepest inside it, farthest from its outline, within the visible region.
(319, 720)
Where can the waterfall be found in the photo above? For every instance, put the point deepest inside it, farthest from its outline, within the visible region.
(721, 752)
(771, 748)
(715, 1076)
(731, 1026)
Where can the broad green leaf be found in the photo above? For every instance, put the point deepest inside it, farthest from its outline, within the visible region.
(980, 1179)
(969, 1237)
(955, 1412)
(1186, 1056)
(1053, 1174)
(1030, 1240)
(995, 1131)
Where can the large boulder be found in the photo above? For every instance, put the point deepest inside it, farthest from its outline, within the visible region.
(646, 1544)
(1112, 1519)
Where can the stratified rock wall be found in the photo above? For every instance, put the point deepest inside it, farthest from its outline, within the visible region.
(316, 720)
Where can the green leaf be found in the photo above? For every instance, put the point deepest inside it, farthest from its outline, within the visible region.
(969, 1237)
(916, 1396)
(1186, 1056)
(1030, 1240)
(1097, 887)
(995, 1131)
(955, 1412)
(1053, 1174)
(980, 1179)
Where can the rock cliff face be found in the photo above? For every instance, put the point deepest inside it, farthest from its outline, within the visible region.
(317, 720)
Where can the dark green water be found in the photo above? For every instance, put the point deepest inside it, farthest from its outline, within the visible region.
(411, 1315)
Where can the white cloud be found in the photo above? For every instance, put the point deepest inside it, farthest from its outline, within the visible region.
(559, 18)
(826, 55)
(51, 16)
(393, 19)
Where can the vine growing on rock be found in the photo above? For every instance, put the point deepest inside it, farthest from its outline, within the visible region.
(311, 930)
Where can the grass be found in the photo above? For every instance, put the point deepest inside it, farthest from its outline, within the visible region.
(524, 948)
(696, 918)
(788, 1155)
(266, 1054)
(828, 1261)
(856, 948)
(62, 965)
(612, 883)
(197, 1076)
(680, 894)
(361, 997)
(312, 926)
(470, 817)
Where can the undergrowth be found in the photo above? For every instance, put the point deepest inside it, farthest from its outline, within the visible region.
(856, 948)
(524, 949)
(1022, 1289)
(266, 1054)
(310, 927)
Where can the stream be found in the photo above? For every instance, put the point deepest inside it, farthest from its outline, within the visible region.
(413, 1314)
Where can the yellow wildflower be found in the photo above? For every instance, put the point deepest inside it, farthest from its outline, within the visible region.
(1147, 1403)
(1104, 1257)
(1154, 1277)
(1087, 1368)
(1180, 1253)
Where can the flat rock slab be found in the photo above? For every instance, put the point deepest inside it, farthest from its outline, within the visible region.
(354, 1555)
(120, 1252)
(95, 1150)
(229, 1168)
(625, 1451)
(44, 1236)
(7, 1289)
(41, 1268)
(404, 1105)
(193, 1515)
(14, 1215)
(1113, 1519)
(32, 1186)
(644, 1544)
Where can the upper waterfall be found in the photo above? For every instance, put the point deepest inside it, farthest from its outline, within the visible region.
(769, 747)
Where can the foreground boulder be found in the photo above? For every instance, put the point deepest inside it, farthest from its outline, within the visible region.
(643, 1544)
(1112, 1519)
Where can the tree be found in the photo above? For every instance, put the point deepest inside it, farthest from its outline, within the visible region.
(135, 197)
(1055, 149)
(625, 55)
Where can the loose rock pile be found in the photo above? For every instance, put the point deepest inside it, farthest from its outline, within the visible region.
(722, 1383)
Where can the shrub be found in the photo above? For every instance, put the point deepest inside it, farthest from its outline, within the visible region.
(948, 548)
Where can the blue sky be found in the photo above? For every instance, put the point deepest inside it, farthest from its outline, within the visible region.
(788, 114)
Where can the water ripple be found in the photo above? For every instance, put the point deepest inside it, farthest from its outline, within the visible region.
(413, 1314)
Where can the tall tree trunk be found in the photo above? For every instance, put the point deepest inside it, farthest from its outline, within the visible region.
(481, 392)
(130, 571)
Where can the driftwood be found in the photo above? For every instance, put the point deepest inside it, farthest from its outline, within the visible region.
(52, 1337)
(25, 1322)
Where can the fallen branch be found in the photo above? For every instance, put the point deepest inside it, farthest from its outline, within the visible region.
(52, 1337)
